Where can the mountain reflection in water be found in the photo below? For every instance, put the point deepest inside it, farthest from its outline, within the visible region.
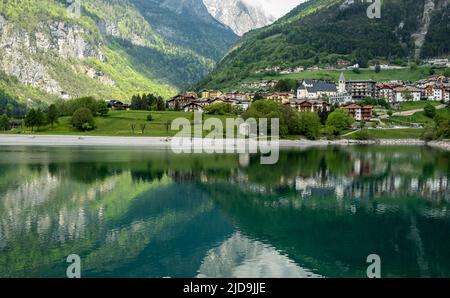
(135, 213)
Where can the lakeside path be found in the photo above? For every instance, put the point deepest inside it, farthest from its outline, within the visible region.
(165, 143)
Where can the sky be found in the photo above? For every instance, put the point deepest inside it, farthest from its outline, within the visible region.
(276, 8)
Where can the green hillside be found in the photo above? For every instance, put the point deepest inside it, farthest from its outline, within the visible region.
(321, 32)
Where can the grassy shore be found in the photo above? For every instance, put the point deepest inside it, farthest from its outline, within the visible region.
(120, 123)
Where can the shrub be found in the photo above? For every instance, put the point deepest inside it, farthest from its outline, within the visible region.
(83, 119)
(4, 122)
(149, 118)
(102, 108)
(430, 111)
(429, 135)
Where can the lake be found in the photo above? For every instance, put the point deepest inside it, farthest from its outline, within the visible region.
(319, 212)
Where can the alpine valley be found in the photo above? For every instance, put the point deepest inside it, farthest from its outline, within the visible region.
(112, 49)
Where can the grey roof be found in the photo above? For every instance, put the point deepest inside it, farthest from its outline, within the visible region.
(322, 87)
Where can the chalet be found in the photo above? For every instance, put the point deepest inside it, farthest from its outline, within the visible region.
(181, 100)
(118, 105)
(360, 113)
(191, 107)
(310, 105)
(311, 89)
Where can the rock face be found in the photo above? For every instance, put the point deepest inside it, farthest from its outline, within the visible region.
(240, 16)
(21, 52)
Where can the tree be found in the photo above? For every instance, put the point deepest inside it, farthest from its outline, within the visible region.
(143, 127)
(82, 119)
(257, 96)
(133, 127)
(102, 108)
(430, 111)
(52, 114)
(4, 122)
(286, 85)
(310, 125)
(338, 121)
(34, 118)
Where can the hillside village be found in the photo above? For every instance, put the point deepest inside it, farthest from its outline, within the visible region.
(317, 96)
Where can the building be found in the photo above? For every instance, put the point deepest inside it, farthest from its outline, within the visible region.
(311, 89)
(240, 96)
(407, 93)
(386, 91)
(180, 101)
(342, 97)
(360, 113)
(192, 106)
(281, 97)
(267, 84)
(211, 94)
(310, 105)
(361, 89)
(118, 105)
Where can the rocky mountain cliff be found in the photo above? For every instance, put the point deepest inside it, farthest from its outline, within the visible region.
(113, 49)
(238, 15)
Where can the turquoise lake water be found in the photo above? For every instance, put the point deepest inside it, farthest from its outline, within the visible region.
(318, 212)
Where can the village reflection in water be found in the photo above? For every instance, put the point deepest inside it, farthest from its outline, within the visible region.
(319, 212)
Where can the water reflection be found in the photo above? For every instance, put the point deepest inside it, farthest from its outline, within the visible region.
(241, 257)
(133, 213)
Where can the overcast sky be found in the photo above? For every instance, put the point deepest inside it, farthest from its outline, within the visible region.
(277, 8)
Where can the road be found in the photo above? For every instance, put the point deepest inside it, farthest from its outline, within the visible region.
(412, 112)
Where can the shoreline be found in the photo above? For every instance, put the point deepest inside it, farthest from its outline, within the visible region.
(164, 143)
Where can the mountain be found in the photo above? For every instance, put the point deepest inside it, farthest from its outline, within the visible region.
(113, 49)
(239, 15)
(321, 32)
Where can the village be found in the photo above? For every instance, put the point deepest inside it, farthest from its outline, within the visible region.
(318, 96)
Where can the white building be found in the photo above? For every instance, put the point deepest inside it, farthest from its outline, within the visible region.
(407, 94)
(310, 89)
